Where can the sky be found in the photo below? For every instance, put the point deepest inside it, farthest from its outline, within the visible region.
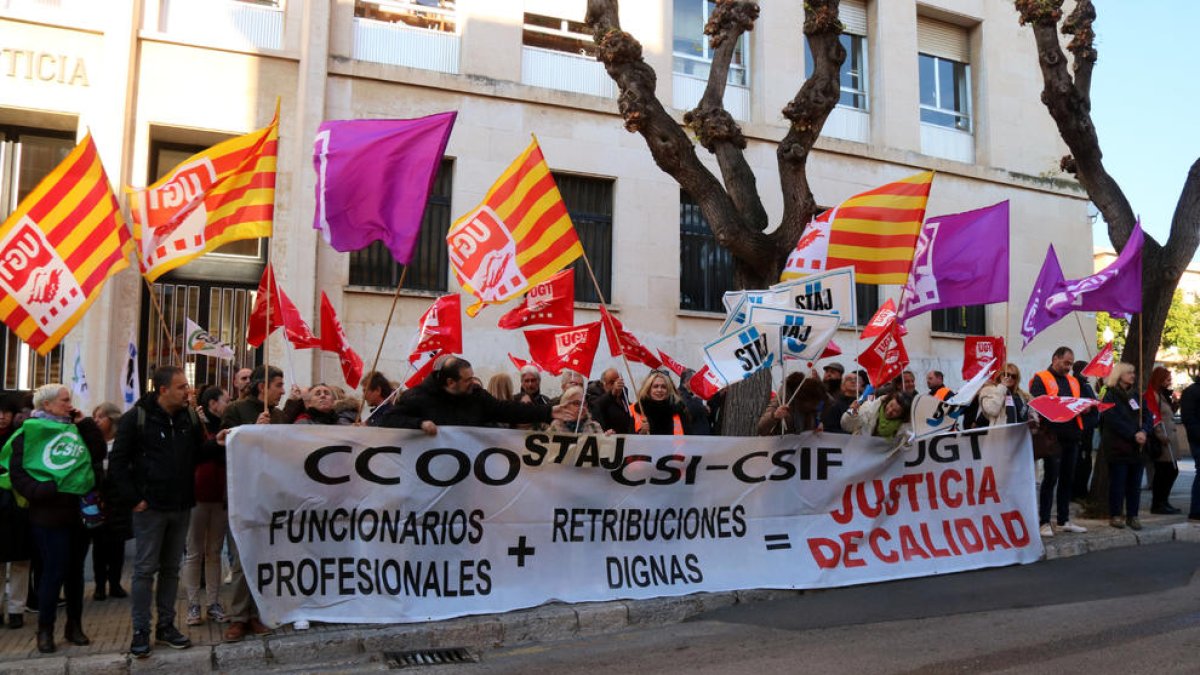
(1145, 104)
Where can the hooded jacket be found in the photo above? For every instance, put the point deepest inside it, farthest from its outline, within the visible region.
(156, 461)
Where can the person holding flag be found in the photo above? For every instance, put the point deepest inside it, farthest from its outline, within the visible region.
(1058, 471)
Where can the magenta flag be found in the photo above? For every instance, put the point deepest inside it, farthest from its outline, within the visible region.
(960, 259)
(1036, 319)
(373, 179)
(1116, 289)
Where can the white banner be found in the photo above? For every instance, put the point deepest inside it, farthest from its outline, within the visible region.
(831, 291)
(203, 343)
(371, 525)
(739, 354)
(795, 333)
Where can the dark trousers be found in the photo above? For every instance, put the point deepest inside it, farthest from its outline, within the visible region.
(160, 539)
(1165, 474)
(1058, 473)
(1124, 485)
(1194, 510)
(1083, 468)
(63, 550)
(108, 558)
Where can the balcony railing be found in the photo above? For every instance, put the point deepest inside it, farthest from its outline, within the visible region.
(223, 22)
(82, 13)
(569, 72)
(401, 45)
(688, 90)
(947, 143)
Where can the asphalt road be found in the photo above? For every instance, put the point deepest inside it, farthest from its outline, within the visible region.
(1130, 610)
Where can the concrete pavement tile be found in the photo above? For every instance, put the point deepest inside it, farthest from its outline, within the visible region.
(1154, 535)
(764, 594)
(662, 610)
(469, 631)
(396, 638)
(1115, 539)
(240, 654)
(103, 664)
(1189, 532)
(597, 618)
(547, 623)
(52, 665)
(313, 648)
(711, 601)
(1065, 548)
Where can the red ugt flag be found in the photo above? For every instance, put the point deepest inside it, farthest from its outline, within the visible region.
(885, 358)
(978, 350)
(441, 328)
(333, 339)
(550, 303)
(556, 349)
(674, 366)
(283, 313)
(704, 384)
(624, 342)
(1102, 365)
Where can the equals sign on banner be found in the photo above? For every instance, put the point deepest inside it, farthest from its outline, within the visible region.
(776, 542)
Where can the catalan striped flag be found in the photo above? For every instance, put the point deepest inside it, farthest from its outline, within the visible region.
(876, 231)
(222, 194)
(65, 238)
(518, 236)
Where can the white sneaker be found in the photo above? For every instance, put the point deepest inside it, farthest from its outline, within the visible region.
(300, 625)
(1047, 530)
(1072, 527)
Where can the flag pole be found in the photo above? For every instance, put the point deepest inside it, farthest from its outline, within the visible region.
(386, 326)
(162, 322)
(267, 339)
(1087, 347)
(608, 325)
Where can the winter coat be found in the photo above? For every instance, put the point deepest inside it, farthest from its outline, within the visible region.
(994, 408)
(1119, 426)
(660, 416)
(1168, 451)
(477, 408)
(246, 411)
(155, 461)
(47, 506)
(210, 472)
(611, 412)
(863, 423)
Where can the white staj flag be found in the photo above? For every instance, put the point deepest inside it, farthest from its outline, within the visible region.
(131, 384)
(793, 332)
(738, 355)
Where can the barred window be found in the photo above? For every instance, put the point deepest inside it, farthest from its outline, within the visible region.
(866, 302)
(429, 266)
(589, 202)
(705, 268)
(962, 320)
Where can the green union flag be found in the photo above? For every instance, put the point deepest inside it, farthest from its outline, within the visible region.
(54, 451)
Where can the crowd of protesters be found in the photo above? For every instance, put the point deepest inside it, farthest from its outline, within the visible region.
(157, 473)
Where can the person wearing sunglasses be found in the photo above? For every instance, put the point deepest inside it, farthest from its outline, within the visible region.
(1002, 401)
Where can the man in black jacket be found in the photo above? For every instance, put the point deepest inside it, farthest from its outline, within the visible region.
(153, 463)
(446, 398)
(1189, 414)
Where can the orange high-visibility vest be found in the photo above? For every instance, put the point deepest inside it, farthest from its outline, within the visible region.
(942, 393)
(639, 420)
(1051, 385)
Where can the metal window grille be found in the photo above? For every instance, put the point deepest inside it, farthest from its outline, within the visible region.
(222, 310)
(705, 268)
(962, 320)
(589, 202)
(866, 302)
(429, 266)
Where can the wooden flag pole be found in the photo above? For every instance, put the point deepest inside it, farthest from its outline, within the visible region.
(607, 320)
(267, 339)
(162, 322)
(1087, 347)
(379, 350)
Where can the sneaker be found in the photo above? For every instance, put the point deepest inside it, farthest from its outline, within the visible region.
(170, 636)
(1133, 523)
(140, 646)
(300, 625)
(1072, 527)
(216, 613)
(1117, 522)
(193, 615)
(1047, 530)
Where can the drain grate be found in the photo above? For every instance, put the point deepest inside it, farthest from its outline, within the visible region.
(429, 657)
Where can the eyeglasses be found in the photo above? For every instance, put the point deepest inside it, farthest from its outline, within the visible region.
(1012, 375)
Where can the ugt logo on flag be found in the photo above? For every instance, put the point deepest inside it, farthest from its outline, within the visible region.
(485, 253)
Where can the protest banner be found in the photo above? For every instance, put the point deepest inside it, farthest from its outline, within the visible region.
(369, 525)
(797, 334)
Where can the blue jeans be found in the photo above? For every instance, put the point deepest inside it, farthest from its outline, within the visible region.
(160, 537)
(1124, 485)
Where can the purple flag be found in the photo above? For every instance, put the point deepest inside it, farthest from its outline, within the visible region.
(1036, 319)
(373, 179)
(1116, 289)
(960, 259)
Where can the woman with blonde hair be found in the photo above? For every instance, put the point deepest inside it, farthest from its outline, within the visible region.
(583, 424)
(500, 386)
(659, 410)
(1002, 401)
(1124, 429)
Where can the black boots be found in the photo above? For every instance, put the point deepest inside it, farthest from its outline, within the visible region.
(74, 634)
(45, 639)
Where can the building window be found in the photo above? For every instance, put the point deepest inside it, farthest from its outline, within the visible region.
(961, 320)
(853, 74)
(705, 268)
(434, 15)
(945, 76)
(693, 55)
(866, 302)
(557, 34)
(429, 266)
(590, 205)
(26, 157)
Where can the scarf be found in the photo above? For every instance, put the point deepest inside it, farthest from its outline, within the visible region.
(43, 415)
(319, 417)
(887, 427)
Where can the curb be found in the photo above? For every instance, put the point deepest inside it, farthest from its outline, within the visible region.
(356, 644)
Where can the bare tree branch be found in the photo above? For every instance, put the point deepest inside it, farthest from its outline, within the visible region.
(807, 113)
(1082, 47)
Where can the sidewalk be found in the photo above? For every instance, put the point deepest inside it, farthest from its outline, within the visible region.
(107, 623)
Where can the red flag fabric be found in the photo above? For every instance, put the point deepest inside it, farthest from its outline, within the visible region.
(885, 315)
(519, 362)
(978, 350)
(625, 342)
(422, 363)
(550, 303)
(1102, 365)
(832, 349)
(704, 384)
(1151, 400)
(283, 313)
(1065, 408)
(885, 358)
(556, 349)
(441, 327)
(673, 365)
(333, 339)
